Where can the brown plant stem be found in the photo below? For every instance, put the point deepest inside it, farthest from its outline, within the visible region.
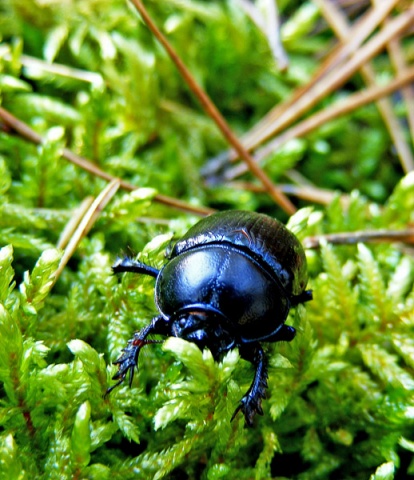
(214, 113)
(29, 134)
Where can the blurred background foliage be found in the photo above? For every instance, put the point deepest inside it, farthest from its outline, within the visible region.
(88, 76)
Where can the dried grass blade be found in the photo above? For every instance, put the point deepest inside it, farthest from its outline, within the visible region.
(286, 113)
(87, 221)
(400, 65)
(341, 27)
(353, 102)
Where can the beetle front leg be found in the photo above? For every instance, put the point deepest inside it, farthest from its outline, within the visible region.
(129, 358)
(251, 403)
(303, 297)
(127, 264)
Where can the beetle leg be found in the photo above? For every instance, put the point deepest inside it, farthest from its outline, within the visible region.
(251, 403)
(303, 297)
(129, 358)
(286, 333)
(126, 264)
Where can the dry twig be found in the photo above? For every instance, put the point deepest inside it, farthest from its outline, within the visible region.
(338, 76)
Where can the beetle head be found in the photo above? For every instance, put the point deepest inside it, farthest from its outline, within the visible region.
(205, 326)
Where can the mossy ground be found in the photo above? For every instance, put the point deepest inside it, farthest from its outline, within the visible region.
(88, 76)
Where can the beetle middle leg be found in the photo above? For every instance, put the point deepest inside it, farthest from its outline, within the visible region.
(129, 358)
(251, 403)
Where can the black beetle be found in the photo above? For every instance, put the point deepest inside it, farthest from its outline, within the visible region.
(229, 282)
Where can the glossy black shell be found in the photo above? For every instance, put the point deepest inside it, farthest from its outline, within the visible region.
(267, 240)
(242, 266)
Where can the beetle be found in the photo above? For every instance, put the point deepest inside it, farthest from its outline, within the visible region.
(229, 282)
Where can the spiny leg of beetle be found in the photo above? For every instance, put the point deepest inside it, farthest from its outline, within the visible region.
(251, 403)
(129, 358)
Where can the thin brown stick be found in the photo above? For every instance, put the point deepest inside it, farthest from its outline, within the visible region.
(214, 113)
(27, 133)
(340, 25)
(351, 238)
(343, 107)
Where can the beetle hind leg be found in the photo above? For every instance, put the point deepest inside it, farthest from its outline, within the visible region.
(286, 333)
(129, 358)
(251, 403)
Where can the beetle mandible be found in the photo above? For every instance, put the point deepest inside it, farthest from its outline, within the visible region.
(229, 282)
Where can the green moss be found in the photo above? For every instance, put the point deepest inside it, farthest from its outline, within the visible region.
(340, 398)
